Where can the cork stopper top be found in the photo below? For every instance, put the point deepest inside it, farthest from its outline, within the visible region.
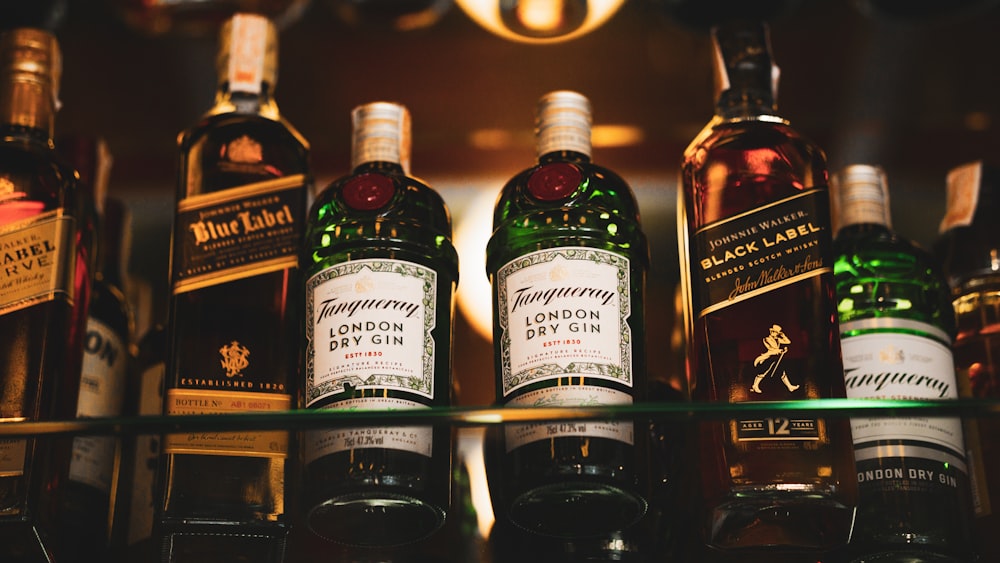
(381, 133)
(248, 53)
(562, 123)
(860, 195)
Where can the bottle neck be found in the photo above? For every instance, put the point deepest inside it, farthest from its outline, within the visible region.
(860, 229)
(379, 166)
(564, 156)
(746, 77)
(27, 111)
(246, 103)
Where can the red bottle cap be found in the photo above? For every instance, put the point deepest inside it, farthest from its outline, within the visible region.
(367, 192)
(554, 181)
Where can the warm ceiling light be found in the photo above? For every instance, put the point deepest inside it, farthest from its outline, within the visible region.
(540, 21)
(473, 228)
(605, 136)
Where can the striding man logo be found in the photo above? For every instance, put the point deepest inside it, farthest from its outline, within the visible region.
(775, 346)
(234, 358)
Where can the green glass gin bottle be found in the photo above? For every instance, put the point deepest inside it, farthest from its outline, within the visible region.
(896, 330)
(757, 274)
(381, 273)
(567, 261)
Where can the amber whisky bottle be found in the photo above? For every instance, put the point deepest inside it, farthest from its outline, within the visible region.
(44, 283)
(757, 273)
(567, 262)
(381, 273)
(968, 249)
(233, 323)
(90, 489)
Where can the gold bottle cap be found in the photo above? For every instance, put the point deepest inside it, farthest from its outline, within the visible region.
(381, 133)
(248, 53)
(562, 123)
(860, 195)
(30, 67)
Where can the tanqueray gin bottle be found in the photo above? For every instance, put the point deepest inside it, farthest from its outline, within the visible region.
(567, 262)
(381, 273)
(757, 272)
(896, 329)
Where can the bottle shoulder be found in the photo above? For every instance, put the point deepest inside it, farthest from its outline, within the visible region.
(411, 220)
(600, 191)
(39, 181)
(227, 124)
(233, 149)
(881, 274)
(411, 199)
(735, 166)
(601, 212)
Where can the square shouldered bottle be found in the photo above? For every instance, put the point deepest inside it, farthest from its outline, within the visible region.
(968, 249)
(567, 262)
(44, 286)
(107, 355)
(234, 326)
(380, 278)
(896, 329)
(760, 309)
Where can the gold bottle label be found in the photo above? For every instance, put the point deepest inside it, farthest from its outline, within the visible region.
(238, 233)
(764, 249)
(12, 454)
(252, 444)
(37, 257)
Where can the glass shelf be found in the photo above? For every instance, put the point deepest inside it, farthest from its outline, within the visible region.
(487, 416)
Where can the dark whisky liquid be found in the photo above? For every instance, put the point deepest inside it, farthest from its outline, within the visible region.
(764, 328)
(41, 346)
(976, 352)
(233, 322)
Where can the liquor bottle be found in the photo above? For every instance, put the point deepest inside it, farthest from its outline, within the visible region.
(136, 502)
(89, 494)
(967, 247)
(567, 262)
(381, 274)
(760, 311)
(896, 329)
(232, 315)
(43, 291)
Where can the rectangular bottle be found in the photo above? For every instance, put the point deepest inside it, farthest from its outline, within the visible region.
(233, 319)
(89, 491)
(567, 261)
(896, 327)
(968, 249)
(381, 274)
(757, 272)
(43, 293)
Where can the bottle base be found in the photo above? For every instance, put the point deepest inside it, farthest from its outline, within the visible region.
(195, 542)
(908, 554)
(776, 520)
(366, 520)
(576, 509)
